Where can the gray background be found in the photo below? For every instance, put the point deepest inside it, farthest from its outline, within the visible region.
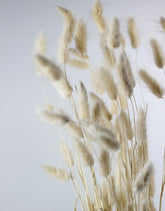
(26, 143)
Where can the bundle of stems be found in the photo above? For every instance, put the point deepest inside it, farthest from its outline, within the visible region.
(111, 138)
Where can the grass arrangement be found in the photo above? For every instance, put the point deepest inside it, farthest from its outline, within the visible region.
(112, 139)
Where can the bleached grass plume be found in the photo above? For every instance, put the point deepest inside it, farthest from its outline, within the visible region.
(63, 54)
(109, 83)
(52, 117)
(82, 100)
(143, 177)
(74, 129)
(162, 22)
(129, 70)
(124, 78)
(85, 156)
(95, 129)
(152, 84)
(108, 142)
(64, 87)
(133, 33)
(69, 24)
(97, 86)
(141, 128)
(114, 34)
(158, 54)
(57, 173)
(104, 110)
(97, 14)
(48, 69)
(104, 163)
(96, 111)
(81, 37)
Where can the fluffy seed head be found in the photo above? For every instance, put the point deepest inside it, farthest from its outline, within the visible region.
(48, 68)
(104, 110)
(152, 84)
(63, 87)
(56, 172)
(114, 34)
(162, 22)
(157, 53)
(85, 155)
(143, 177)
(104, 163)
(73, 129)
(133, 33)
(96, 111)
(63, 54)
(141, 130)
(124, 76)
(109, 83)
(108, 142)
(52, 117)
(97, 14)
(97, 86)
(81, 37)
(82, 100)
(69, 24)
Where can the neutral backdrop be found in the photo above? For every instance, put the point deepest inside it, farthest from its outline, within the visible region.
(26, 143)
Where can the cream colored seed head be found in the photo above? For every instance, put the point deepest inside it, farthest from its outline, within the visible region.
(129, 70)
(74, 129)
(97, 86)
(152, 84)
(63, 87)
(96, 111)
(143, 177)
(104, 163)
(83, 152)
(158, 54)
(97, 14)
(114, 34)
(162, 22)
(133, 33)
(63, 54)
(52, 117)
(69, 24)
(81, 37)
(108, 142)
(124, 79)
(82, 100)
(104, 110)
(56, 172)
(48, 68)
(109, 83)
(141, 129)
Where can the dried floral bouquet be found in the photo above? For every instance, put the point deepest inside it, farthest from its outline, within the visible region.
(115, 138)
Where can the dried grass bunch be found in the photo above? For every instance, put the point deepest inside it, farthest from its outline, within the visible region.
(113, 138)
